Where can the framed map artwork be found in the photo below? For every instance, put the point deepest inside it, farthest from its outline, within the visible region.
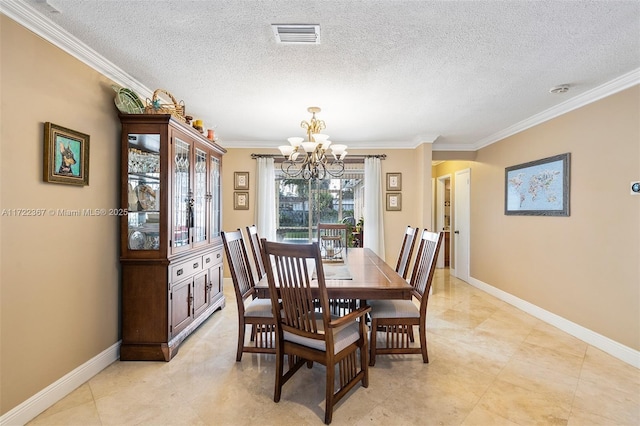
(538, 188)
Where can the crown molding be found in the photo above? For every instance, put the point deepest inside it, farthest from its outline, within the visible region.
(614, 86)
(33, 20)
(39, 24)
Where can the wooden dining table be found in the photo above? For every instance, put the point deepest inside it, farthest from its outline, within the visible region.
(361, 275)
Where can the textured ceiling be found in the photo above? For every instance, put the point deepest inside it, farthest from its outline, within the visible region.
(387, 73)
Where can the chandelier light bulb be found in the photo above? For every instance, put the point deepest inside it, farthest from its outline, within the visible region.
(309, 146)
(338, 149)
(295, 141)
(286, 150)
(319, 137)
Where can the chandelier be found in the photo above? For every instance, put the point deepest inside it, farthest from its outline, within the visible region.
(311, 159)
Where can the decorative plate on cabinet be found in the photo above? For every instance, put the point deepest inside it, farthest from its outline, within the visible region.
(146, 197)
(127, 101)
(137, 240)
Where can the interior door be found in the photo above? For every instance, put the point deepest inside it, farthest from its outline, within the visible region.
(461, 226)
(442, 195)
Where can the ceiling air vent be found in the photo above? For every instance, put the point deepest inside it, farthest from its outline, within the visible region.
(296, 34)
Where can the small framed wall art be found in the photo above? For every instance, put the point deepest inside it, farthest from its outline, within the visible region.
(241, 180)
(240, 200)
(394, 201)
(394, 181)
(66, 156)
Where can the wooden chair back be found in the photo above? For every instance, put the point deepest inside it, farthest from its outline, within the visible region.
(332, 239)
(256, 250)
(406, 250)
(425, 265)
(293, 269)
(239, 266)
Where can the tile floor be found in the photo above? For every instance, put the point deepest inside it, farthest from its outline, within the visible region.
(490, 364)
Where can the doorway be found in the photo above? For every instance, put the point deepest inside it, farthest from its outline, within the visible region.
(443, 218)
(462, 224)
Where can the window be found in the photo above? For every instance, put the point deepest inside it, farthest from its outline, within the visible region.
(303, 204)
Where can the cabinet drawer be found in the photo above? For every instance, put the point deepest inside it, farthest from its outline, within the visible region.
(211, 259)
(186, 268)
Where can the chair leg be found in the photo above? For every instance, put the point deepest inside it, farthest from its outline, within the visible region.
(328, 411)
(279, 373)
(423, 342)
(364, 362)
(374, 338)
(253, 332)
(240, 339)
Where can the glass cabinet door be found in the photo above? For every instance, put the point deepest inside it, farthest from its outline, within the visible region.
(200, 197)
(143, 188)
(215, 197)
(183, 202)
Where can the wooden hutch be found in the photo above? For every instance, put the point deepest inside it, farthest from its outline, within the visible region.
(170, 244)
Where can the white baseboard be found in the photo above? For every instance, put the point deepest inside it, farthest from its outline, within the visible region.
(613, 348)
(53, 393)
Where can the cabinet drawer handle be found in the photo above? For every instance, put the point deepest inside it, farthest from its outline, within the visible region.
(180, 271)
(208, 259)
(195, 265)
(218, 255)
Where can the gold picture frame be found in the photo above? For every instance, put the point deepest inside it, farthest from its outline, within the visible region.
(66, 156)
(241, 180)
(394, 181)
(240, 200)
(394, 201)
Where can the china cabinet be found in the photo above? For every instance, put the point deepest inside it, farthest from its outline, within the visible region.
(170, 244)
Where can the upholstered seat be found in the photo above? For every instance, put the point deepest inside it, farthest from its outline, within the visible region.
(259, 308)
(393, 309)
(342, 337)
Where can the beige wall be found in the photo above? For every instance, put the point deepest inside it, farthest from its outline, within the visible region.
(585, 267)
(59, 275)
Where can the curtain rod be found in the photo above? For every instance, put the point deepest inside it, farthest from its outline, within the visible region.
(355, 157)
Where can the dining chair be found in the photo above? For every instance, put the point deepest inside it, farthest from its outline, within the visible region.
(256, 250)
(309, 335)
(251, 310)
(333, 240)
(394, 319)
(406, 250)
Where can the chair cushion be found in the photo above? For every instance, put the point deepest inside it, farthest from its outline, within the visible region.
(393, 309)
(259, 308)
(342, 337)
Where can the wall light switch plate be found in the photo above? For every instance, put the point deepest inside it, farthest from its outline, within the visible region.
(635, 188)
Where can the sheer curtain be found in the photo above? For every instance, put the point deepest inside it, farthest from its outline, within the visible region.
(373, 210)
(266, 199)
